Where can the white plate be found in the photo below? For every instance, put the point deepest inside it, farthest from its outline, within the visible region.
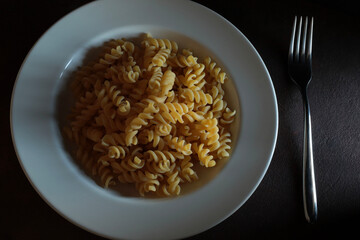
(61, 183)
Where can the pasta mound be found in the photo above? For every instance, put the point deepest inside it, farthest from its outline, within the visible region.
(146, 114)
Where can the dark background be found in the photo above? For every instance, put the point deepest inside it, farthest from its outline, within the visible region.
(275, 209)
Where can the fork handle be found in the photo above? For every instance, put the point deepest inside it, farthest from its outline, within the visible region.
(309, 188)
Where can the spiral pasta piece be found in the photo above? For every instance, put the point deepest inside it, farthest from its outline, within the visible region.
(214, 71)
(160, 58)
(117, 152)
(109, 58)
(167, 82)
(105, 104)
(162, 166)
(150, 52)
(173, 112)
(186, 169)
(162, 44)
(202, 152)
(211, 137)
(172, 187)
(224, 148)
(157, 155)
(228, 116)
(129, 164)
(194, 77)
(141, 120)
(193, 116)
(106, 176)
(119, 101)
(182, 60)
(148, 186)
(154, 81)
(178, 144)
(130, 74)
(197, 96)
(128, 47)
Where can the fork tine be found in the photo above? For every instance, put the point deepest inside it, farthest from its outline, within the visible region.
(304, 40)
(298, 36)
(292, 41)
(309, 39)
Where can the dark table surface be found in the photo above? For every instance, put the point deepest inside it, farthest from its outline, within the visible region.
(276, 208)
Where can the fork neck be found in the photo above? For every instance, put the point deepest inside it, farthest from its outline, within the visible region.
(304, 92)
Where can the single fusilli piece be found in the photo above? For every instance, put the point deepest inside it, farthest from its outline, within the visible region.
(160, 58)
(228, 116)
(171, 187)
(109, 58)
(187, 172)
(178, 144)
(162, 44)
(106, 176)
(215, 71)
(118, 152)
(224, 148)
(138, 122)
(197, 96)
(202, 152)
(182, 60)
(155, 80)
(173, 112)
(211, 136)
(194, 77)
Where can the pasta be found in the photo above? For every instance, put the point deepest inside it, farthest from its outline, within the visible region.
(149, 115)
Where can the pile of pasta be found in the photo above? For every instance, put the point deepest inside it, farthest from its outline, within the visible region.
(146, 114)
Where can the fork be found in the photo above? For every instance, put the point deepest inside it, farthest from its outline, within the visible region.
(300, 71)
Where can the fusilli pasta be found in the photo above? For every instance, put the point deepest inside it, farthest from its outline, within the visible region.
(149, 115)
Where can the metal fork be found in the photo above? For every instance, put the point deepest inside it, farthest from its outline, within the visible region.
(300, 71)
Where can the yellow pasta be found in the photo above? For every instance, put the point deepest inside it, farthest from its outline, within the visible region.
(155, 80)
(160, 58)
(224, 147)
(182, 60)
(151, 136)
(228, 116)
(161, 43)
(179, 144)
(117, 152)
(214, 71)
(106, 175)
(149, 115)
(197, 96)
(187, 172)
